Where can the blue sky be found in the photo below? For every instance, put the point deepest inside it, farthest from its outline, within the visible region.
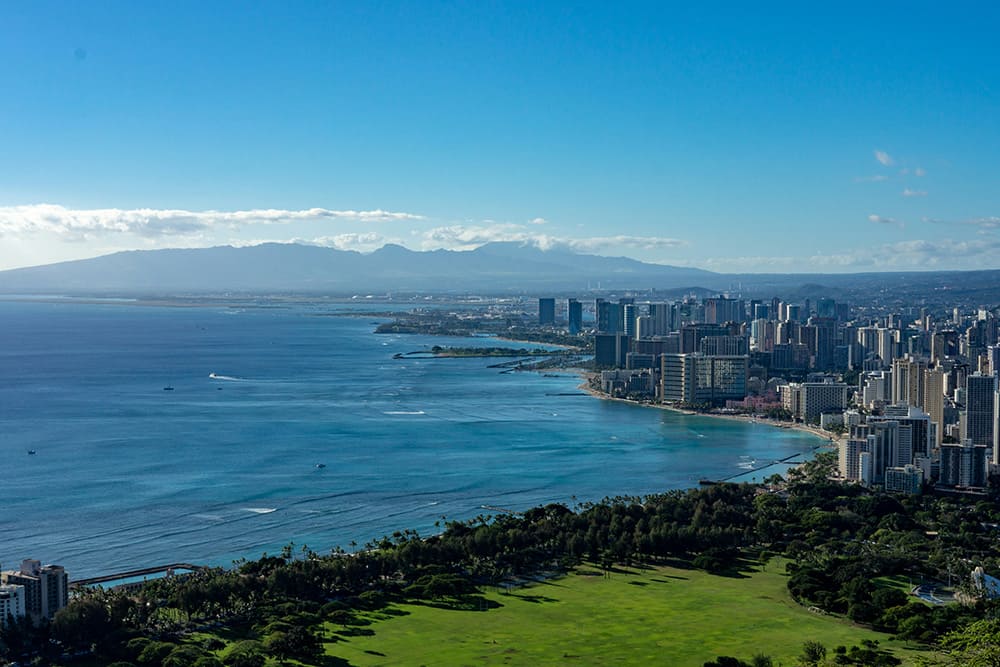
(735, 138)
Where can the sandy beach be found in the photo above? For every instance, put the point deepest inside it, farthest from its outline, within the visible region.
(831, 440)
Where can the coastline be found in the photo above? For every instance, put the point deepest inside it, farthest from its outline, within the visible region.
(830, 440)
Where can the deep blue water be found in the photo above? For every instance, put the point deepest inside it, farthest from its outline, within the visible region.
(128, 475)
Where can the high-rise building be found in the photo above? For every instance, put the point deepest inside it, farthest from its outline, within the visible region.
(876, 446)
(995, 457)
(867, 342)
(963, 465)
(720, 310)
(692, 334)
(574, 314)
(915, 432)
(629, 315)
(876, 388)
(762, 333)
(944, 344)
(904, 479)
(611, 350)
(546, 311)
(808, 400)
(850, 458)
(644, 327)
(934, 401)
(46, 588)
(610, 316)
(980, 413)
(908, 381)
(993, 359)
(826, 308)
(825, 341)
(661, 314)
(12, 598)
(724, 345)
(887, 346)
(699, 378)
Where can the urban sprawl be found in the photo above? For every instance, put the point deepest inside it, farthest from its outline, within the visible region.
(913, 394)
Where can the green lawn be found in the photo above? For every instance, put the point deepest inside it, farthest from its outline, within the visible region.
(638, 617)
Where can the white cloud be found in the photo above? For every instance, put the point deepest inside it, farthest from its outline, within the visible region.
(919, 171)
(907, 192)
(945, 254)
(467, 237)
(984, 223)
(991, 222)
(80, 224)
(597, 243)
(877, 178)
(882, 220)
(362, 242)
(539, 221)
(884, 158)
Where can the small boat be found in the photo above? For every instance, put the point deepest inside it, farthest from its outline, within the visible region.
(320, 466)
(168, 388)
(31, 452)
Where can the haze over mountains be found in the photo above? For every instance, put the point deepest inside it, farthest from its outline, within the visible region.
(291, 267)
(493, 268)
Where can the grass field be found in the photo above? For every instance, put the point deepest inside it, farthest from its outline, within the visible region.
(665, 615)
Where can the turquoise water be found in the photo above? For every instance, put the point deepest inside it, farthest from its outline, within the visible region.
(127, 475)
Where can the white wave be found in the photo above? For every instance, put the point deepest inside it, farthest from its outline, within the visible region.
(404, 412)
(230, 378)
(261, 510)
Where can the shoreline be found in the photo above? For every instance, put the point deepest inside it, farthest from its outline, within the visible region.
(831, 441)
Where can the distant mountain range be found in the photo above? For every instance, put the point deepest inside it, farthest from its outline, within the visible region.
(495, 267)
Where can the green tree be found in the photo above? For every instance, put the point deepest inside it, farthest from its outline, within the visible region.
(975, 645)
(155, 652)
(813, 653)
(247, 653)
(208, 661)
(83, 622)
(183, 656)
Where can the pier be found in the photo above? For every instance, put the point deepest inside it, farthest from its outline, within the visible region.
(788, 460)
(133, 577)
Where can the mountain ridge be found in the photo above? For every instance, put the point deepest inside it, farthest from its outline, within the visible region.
(494, 268)
(289, 266)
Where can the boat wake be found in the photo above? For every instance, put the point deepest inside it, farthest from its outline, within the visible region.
(229, 378)
(261, 510)
(404, 412)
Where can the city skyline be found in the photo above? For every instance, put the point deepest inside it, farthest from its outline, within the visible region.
(856, 140)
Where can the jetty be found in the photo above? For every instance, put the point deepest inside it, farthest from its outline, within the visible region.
(137, 577)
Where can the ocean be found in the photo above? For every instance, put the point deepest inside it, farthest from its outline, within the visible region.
(283, 424)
